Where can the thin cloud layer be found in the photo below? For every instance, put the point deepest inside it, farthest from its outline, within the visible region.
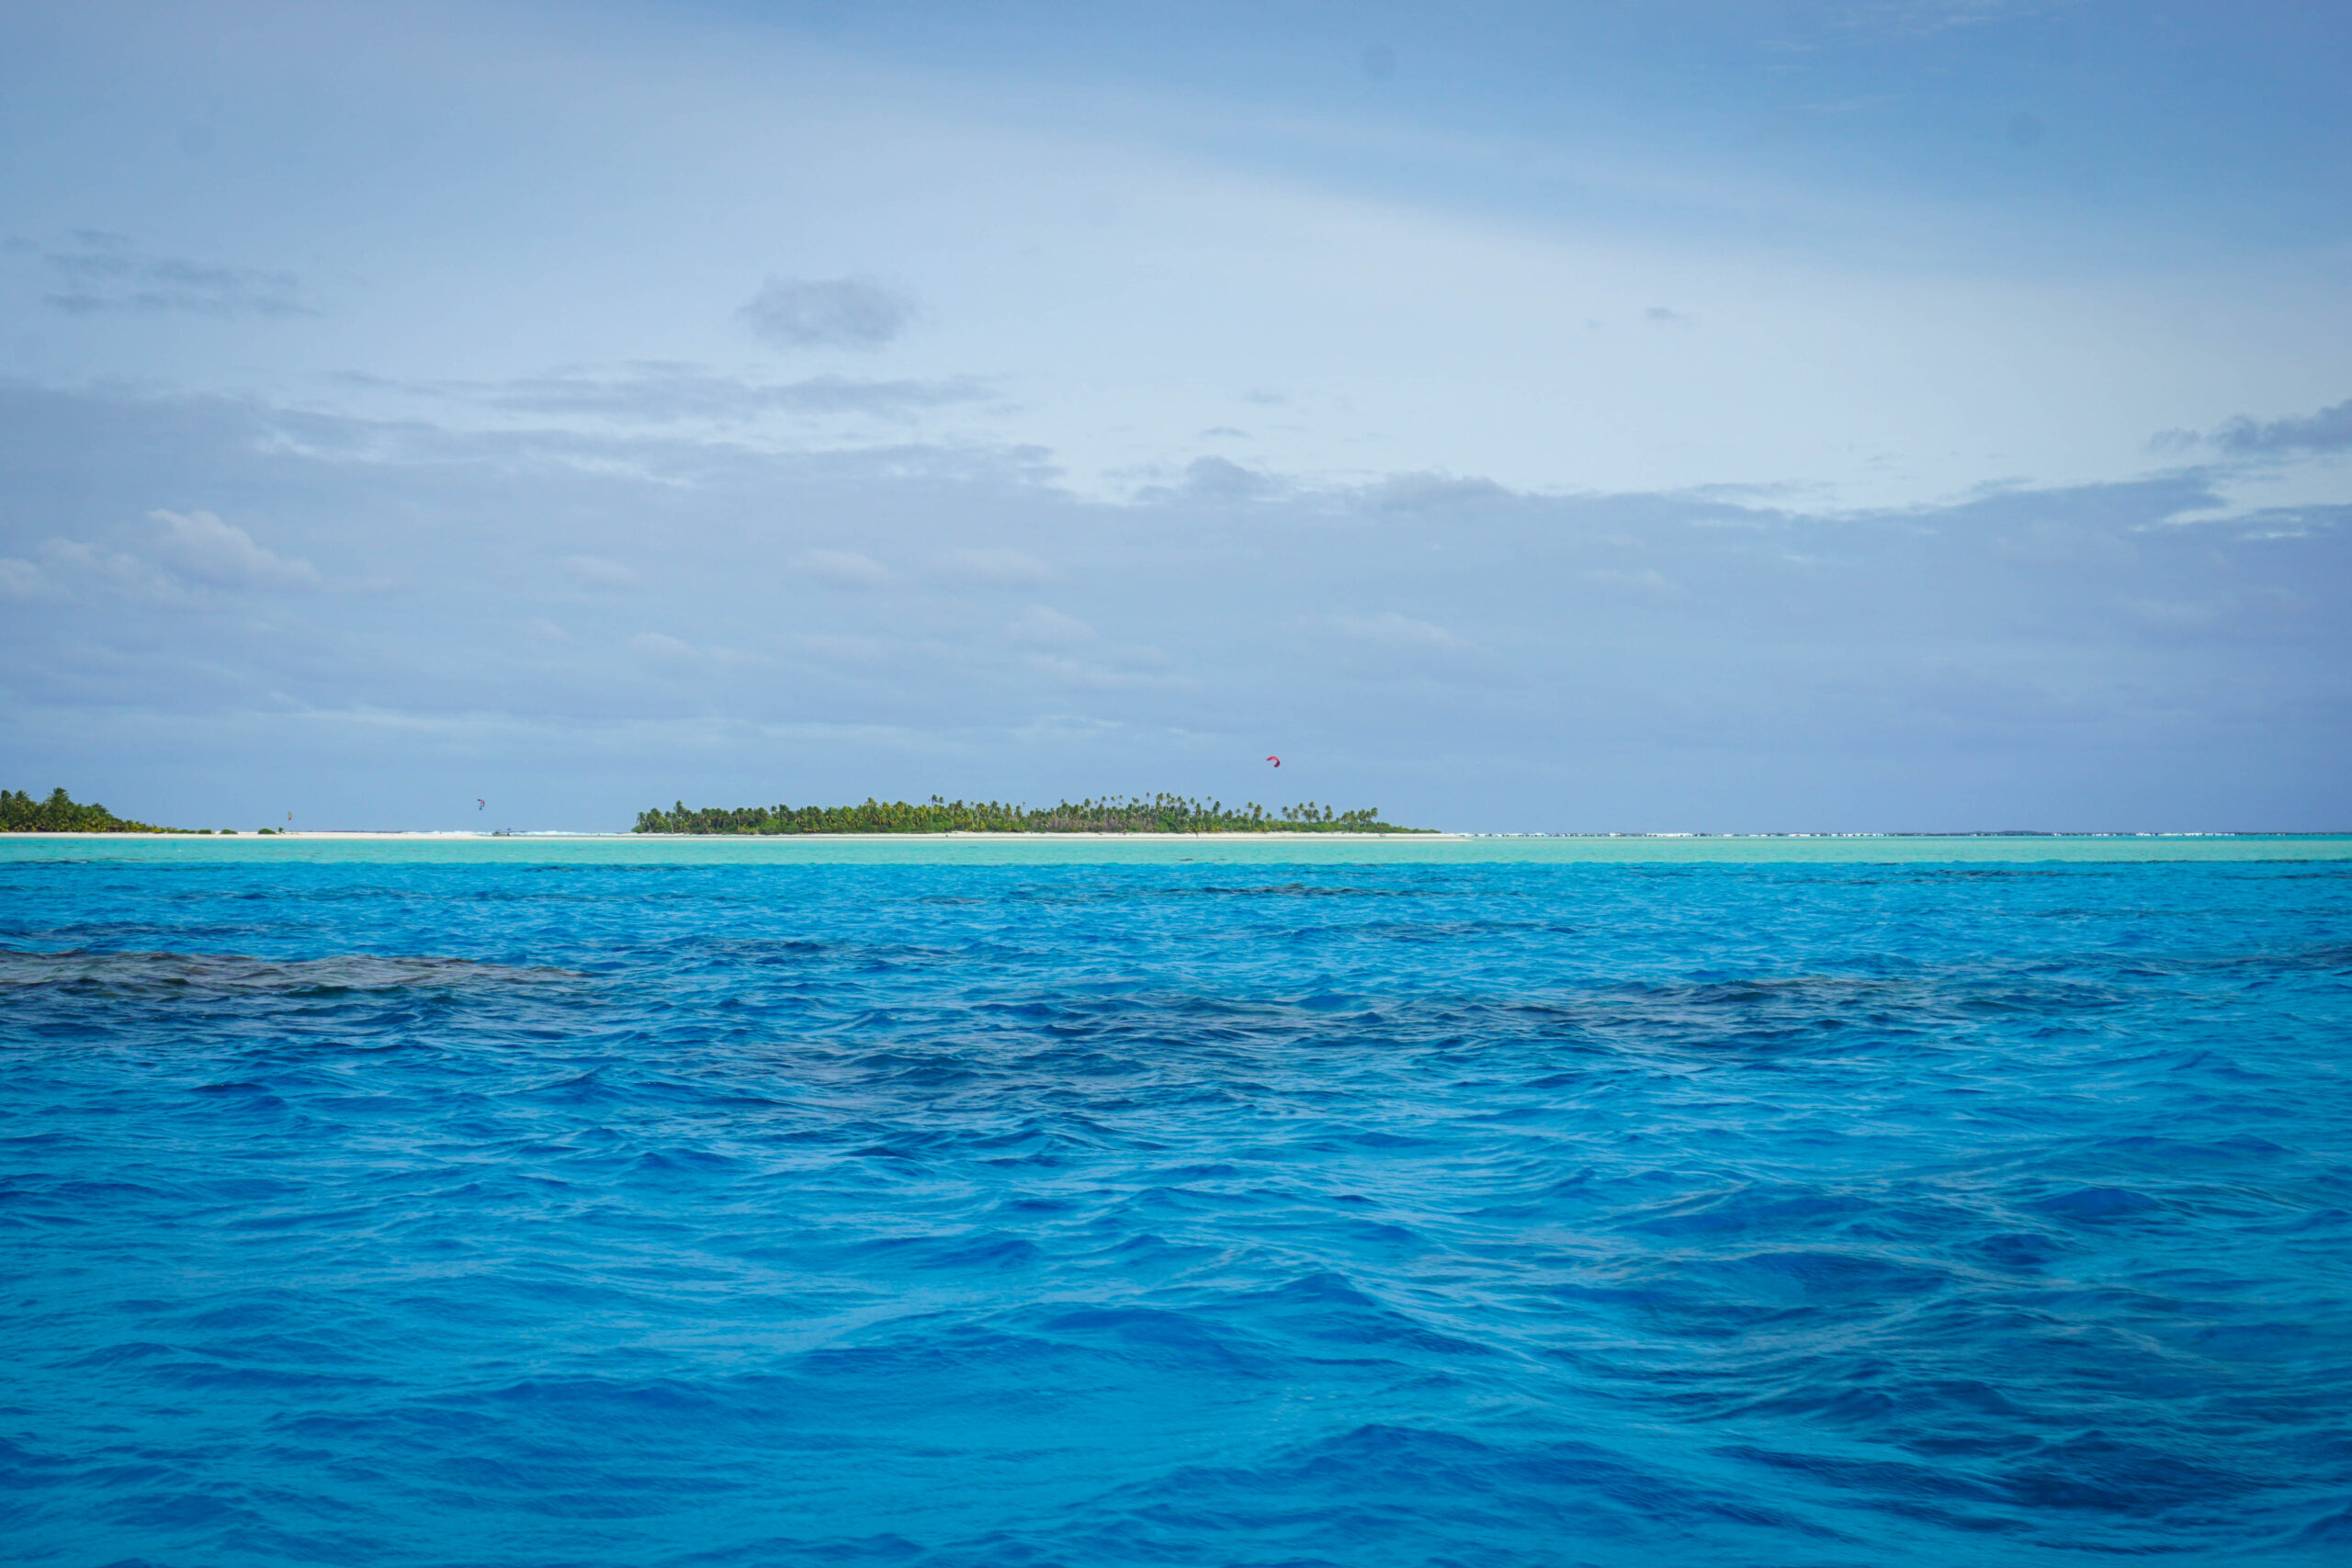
(662, 394)
(187, 554)
(104, 272)
(1392, 630)
(595, 571)
(200, 547)
(1001, 566)
(850, 568)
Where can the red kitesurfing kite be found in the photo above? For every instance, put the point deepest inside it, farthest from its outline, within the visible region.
(1276, 761)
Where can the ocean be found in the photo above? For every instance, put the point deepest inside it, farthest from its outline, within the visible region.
(511, 1202)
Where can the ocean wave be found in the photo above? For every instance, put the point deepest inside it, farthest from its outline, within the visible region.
(163, 974)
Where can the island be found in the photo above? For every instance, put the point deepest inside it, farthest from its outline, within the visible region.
(1117, 814)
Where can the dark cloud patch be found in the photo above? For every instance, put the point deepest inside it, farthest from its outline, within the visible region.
(1433, 494)
(2329, 430)
(1221, 478)
(105, 271)
(829, 312)
(1218, 481)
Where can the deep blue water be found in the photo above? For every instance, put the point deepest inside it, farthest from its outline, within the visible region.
(933, 1215)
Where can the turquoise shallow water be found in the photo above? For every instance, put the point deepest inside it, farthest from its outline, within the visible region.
(523, 1204)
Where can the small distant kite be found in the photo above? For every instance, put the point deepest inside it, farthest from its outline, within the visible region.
(480, 804)
(1276, 761)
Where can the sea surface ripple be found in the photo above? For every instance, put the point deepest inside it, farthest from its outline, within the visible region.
(937, 1216)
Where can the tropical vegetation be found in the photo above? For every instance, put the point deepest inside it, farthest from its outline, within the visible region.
(1116, 813)
(60, 813)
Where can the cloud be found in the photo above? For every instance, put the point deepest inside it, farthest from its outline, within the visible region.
(2045, 541)
(1001, 565)
(844, 567)
(865, 653)
(830, 312)
(2290, 522)
(198, 546)
(656, 393)
(110, 272)
(1390, 629)
(2172, 615)
(2250, 613)
(2329, 430)
(198, 551)
(1126, 669)
(69, 569)
(22, 578)
(1219, 478)
(1923, 16)
(1432, 493)
(1644, 580)
(598, 572)
(1051, 628)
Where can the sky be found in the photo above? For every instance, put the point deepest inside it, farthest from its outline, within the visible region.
(1718, 417)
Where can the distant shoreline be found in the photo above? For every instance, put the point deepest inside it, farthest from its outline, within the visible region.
(1424, 836)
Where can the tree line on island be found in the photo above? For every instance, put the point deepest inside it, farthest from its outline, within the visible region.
(1116, 813)
(60, 813)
